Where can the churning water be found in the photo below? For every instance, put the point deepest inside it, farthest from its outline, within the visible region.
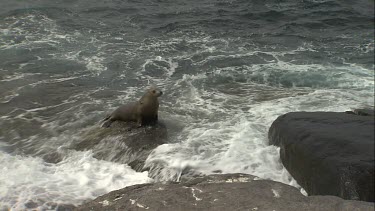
(228, 70)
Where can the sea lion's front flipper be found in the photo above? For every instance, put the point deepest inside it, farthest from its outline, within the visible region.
(109, 116)
(107, 123)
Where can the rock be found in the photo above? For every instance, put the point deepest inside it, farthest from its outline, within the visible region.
(219, 192)
(328, 153)
(123, 142)
(364, 112)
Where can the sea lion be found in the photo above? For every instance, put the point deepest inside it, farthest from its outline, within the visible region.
(144, 111)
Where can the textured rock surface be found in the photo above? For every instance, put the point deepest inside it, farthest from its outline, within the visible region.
(219, 192)
(328, 153)
(364, 112)
(124, 142)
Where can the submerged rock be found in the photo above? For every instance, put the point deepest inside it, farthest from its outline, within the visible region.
(328, 153)
(219, 192)
(124, 142)
(362, 112)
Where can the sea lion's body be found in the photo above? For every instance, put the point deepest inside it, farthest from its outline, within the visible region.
(144, 111)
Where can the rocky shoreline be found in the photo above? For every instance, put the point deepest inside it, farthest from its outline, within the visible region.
(219, 192)
(330, 154)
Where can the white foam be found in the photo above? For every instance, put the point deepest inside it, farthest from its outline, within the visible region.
(15, 76)
(95, 65)
(8, 96)
(20, 26)
(234, 139)
(47, 32)
(164, 71)
(77, 178)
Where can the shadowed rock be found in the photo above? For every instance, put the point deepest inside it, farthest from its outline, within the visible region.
(362, 112)
(219, 192)
(124, 142)
(328, 153)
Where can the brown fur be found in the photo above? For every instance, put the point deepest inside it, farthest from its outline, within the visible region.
(144, 111)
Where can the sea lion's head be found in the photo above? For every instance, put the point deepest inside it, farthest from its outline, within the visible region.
(154, 92)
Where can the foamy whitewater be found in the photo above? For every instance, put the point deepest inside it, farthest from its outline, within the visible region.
(228, 69)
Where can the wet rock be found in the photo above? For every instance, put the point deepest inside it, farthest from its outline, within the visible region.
(219, 192)
(52, 157)
(123, 142)
(61, 207)
(328, 153)
(65, 207)
(364, 112)
(31, 204)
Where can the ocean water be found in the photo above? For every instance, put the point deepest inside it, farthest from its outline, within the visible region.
(228, 69)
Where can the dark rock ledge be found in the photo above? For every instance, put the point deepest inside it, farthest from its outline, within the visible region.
(328, 153)
(123, 142)
(219, 192)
